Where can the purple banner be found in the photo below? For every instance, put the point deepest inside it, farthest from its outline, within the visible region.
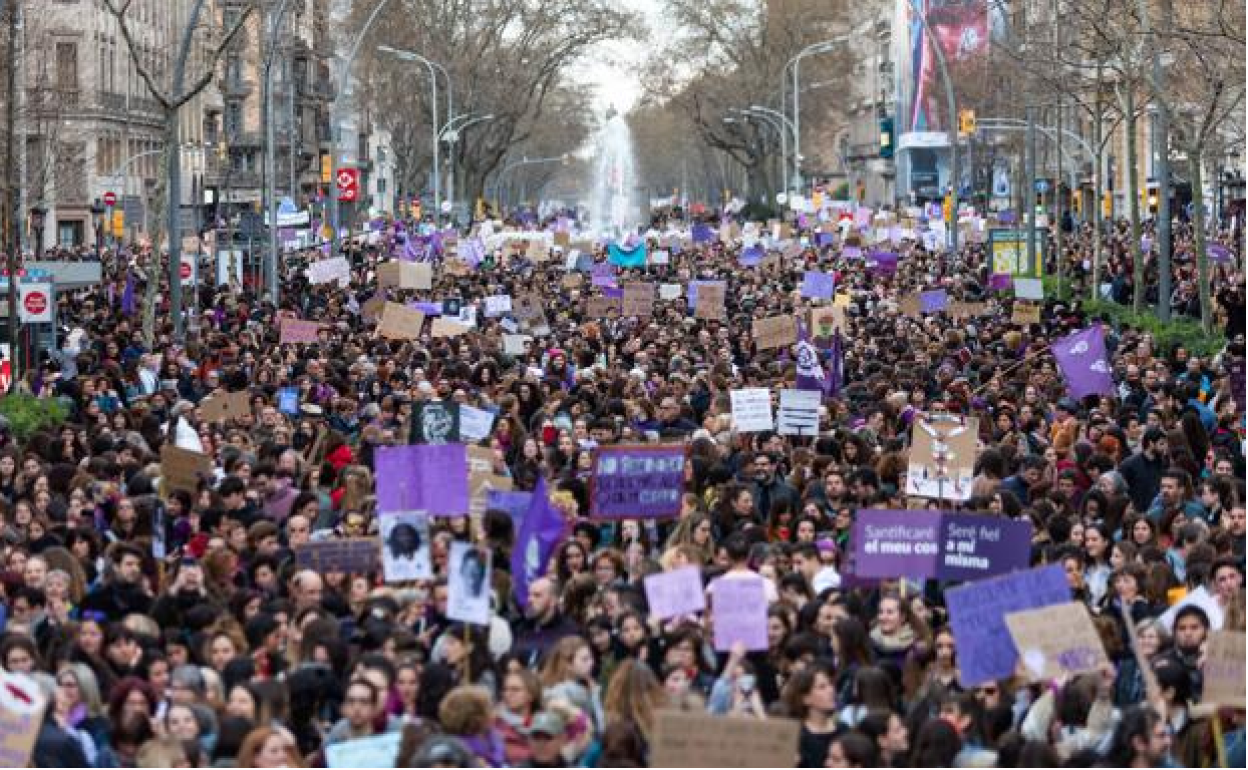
(1082, 359)
(933, 301)
(637, 482)
(514, 504)
(938, 545)
(824, 239)
(977, 613)
(422, 477)
(817, 285)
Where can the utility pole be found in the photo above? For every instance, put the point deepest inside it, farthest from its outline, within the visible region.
(1029, 191)
(13, 216)
(1057, 198)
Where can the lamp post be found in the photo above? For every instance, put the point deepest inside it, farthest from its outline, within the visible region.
(434, 68)
(97, 218)
(450, 134)
(37, 215)
(796, 62)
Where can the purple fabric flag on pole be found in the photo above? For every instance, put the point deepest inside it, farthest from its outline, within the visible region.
(1083, 361)
(127, 295)
(540, 531)
(810, 374)
(1218, 253)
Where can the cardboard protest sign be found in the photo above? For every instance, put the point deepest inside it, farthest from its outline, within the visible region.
(389, 274)
(910, 305)
(601, 307)
(293, 330)
(372, 307)
(399, 322)
(751, 410)
(739, 612)
(1056, 640)
(226, 406)
(638, 300)
(1224, 669)
(709, 302)
(182, 469)
(637, 481)
(474, 424)
(824, 321)
(327, 270)
(356, 554)
(675, 593)
(1025, 313)
(375, 751)
(977, 616)
(799, 412)
(961, 309)
(22, 706)
(775, 332)
(422, 477)
(526, 306)
(445, 327)
(937, 545)
(468, 589)
(695, 739)
(942, 457)
(562, 238)
(405, 552)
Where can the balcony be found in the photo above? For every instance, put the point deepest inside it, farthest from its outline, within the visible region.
(236, 88)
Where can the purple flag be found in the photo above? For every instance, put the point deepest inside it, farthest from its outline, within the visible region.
(1083, 361)
(1000, 281)
(127, 295)
(702, 233)
(810, 374)
(885, 261)
(1218, 253)
(540, 531)
(750, 257)
(824, 239)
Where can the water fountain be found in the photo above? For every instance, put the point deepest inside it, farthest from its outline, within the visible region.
(613, 208)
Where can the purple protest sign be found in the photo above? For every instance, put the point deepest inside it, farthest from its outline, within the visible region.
(428, 308)
(637, 481)
(514, 504)
(977, 613)
(675, 593)
(937, 545)
(603, 274)
(1000, 282)
(1007, 217)
(824, 239)
(933, 301)
(613, 292)
(818, 285)
(739, 610)
(422, 477)
(884, 261)
(1083, 361)
(750, 257)
(1218, 253)
(852, 252)
(702, 233)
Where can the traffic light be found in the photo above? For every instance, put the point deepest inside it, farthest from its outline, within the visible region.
(886, 137)
(1076, 201)
(966, 122)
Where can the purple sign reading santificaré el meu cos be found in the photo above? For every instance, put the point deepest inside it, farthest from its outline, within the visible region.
(637, 482)
(940, 545)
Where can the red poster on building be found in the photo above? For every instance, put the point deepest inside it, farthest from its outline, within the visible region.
(348, 182)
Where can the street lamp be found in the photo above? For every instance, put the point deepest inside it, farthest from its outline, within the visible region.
(433, 68)
(97, 217)
(37, 215)
(450, 134)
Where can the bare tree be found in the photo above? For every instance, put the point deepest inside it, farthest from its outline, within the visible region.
(216, 35)
(504, 57)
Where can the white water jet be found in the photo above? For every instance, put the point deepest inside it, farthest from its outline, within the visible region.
(613, 209)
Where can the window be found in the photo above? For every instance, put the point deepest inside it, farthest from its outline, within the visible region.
(67, 66)
(233, 119)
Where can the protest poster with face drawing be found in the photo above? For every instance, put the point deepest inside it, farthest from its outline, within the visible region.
(405, 553)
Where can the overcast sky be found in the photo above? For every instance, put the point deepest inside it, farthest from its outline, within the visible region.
(615, 70)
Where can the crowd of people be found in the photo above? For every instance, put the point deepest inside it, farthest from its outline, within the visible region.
(176, 628)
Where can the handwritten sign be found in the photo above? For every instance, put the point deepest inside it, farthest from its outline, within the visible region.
(775, 332)
(670, 291)
(474, 424)
(601, 307)
(22, 704)
(675, 593)
(977, 616)
(799, 412)
(637, 300)
(226, 406)
(445, 327)
(375, 751)
(356, 554)
(818, 285)
(294, 330)
(400, 322)
(182, 469)
(1025, 313)
(1224, 669)
(497, 305)
(942, 457)
(751, 410)
(692, 739)
(709, 301)
(739, 609)
(637, 481)
(327, 270)
(1056, 640)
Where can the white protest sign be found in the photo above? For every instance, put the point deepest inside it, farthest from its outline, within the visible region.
(499, 304)
(327, 270)
(474, 423)
(675, 593)
(513, 344)
(751, 410)
(405, 553)
(1028, 288)
(799, 412)
(468, 591)
(670, 291)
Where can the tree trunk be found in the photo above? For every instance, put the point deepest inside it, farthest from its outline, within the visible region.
(1133, 193)
(1194, 160)
(159, 219)
(1098, 184)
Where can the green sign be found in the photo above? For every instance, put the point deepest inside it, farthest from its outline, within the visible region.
(1009, 253)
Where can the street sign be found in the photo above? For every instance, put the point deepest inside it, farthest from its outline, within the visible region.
(36, 302)
(110, 198)
(348, 184)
